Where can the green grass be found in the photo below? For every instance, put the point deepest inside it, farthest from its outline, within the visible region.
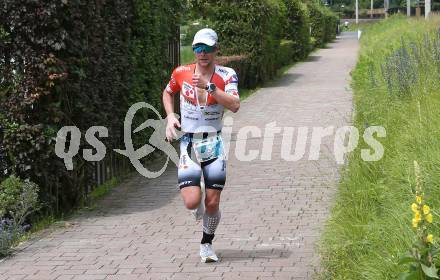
(103, 189)
(370, 224)
(186, 55)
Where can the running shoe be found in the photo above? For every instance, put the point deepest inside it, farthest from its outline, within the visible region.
(207, 254)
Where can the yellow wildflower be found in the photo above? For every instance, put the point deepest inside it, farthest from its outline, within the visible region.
(419, 199)
(414, 207)
(429, 218)
(426, 209)
(429, 238)
(415, 223)
(417, 216)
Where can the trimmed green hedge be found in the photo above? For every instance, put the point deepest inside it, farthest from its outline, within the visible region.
(191, 29)
(84, 63)
(251, 28)
(254, 30)
(154, 24)
(323, 24)
(75, 63)
(242, 64)
(284, 56)
(297, 28)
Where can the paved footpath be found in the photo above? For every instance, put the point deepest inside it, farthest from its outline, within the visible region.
(272, 210)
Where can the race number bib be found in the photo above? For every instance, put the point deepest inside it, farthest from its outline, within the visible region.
(208, 148)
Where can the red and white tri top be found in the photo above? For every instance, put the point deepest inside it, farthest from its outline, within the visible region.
(196, 117)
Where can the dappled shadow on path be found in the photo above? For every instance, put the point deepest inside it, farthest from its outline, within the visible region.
(348, 35)
(286, 80)
(232, 255)
(139, 194)
(313, 58)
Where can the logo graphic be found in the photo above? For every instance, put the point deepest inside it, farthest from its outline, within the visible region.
(157, 139)
(232, 80)
(188, 91)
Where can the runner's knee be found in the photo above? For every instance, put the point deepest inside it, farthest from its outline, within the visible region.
(212, 205)
(191, 204)
(191, 200)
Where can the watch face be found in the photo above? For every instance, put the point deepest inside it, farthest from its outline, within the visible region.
(212, 86)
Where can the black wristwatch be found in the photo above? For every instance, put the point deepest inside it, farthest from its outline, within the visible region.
(210, 87)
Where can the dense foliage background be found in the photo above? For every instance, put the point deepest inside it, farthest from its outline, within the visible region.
(76, 63)
(257, 30)
(83, 63)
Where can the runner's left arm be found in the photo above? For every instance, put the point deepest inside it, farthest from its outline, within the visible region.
(229, 101)
(229, 98)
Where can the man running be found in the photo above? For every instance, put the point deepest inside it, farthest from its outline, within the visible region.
(205, 90)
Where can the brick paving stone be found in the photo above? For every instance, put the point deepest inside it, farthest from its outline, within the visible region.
(272, 209)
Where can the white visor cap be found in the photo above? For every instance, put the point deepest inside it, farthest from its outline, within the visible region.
(205, 36)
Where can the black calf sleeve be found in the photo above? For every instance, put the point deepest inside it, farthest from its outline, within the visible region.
(207, 238)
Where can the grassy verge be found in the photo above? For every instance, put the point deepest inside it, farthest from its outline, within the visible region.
(186, 55)
(396, 85)
(103, 189)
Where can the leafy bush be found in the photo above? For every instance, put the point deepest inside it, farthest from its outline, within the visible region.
(297, 28)
(10, 189)
(254, 30)
(154, 25)
(241, 65)
(18, 200)
(76, 63)
(191, 30)
(4, 164)
(10, 233)
(323, 23)
(251, 28)
(331, 25)
(74, 69)
(8, 236)
(284, 56)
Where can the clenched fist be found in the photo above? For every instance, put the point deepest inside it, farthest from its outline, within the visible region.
(172, 124)
(199, 81)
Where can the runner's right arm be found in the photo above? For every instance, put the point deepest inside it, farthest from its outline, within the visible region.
(168, 103)
(172, 121)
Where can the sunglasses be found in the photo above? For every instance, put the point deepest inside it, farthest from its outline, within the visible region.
(203, 48)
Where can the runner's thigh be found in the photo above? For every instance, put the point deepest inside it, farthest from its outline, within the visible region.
(214, 173)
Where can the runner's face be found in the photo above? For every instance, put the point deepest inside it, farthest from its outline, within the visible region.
(205, 59)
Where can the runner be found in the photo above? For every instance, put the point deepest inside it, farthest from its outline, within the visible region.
(205, 90)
